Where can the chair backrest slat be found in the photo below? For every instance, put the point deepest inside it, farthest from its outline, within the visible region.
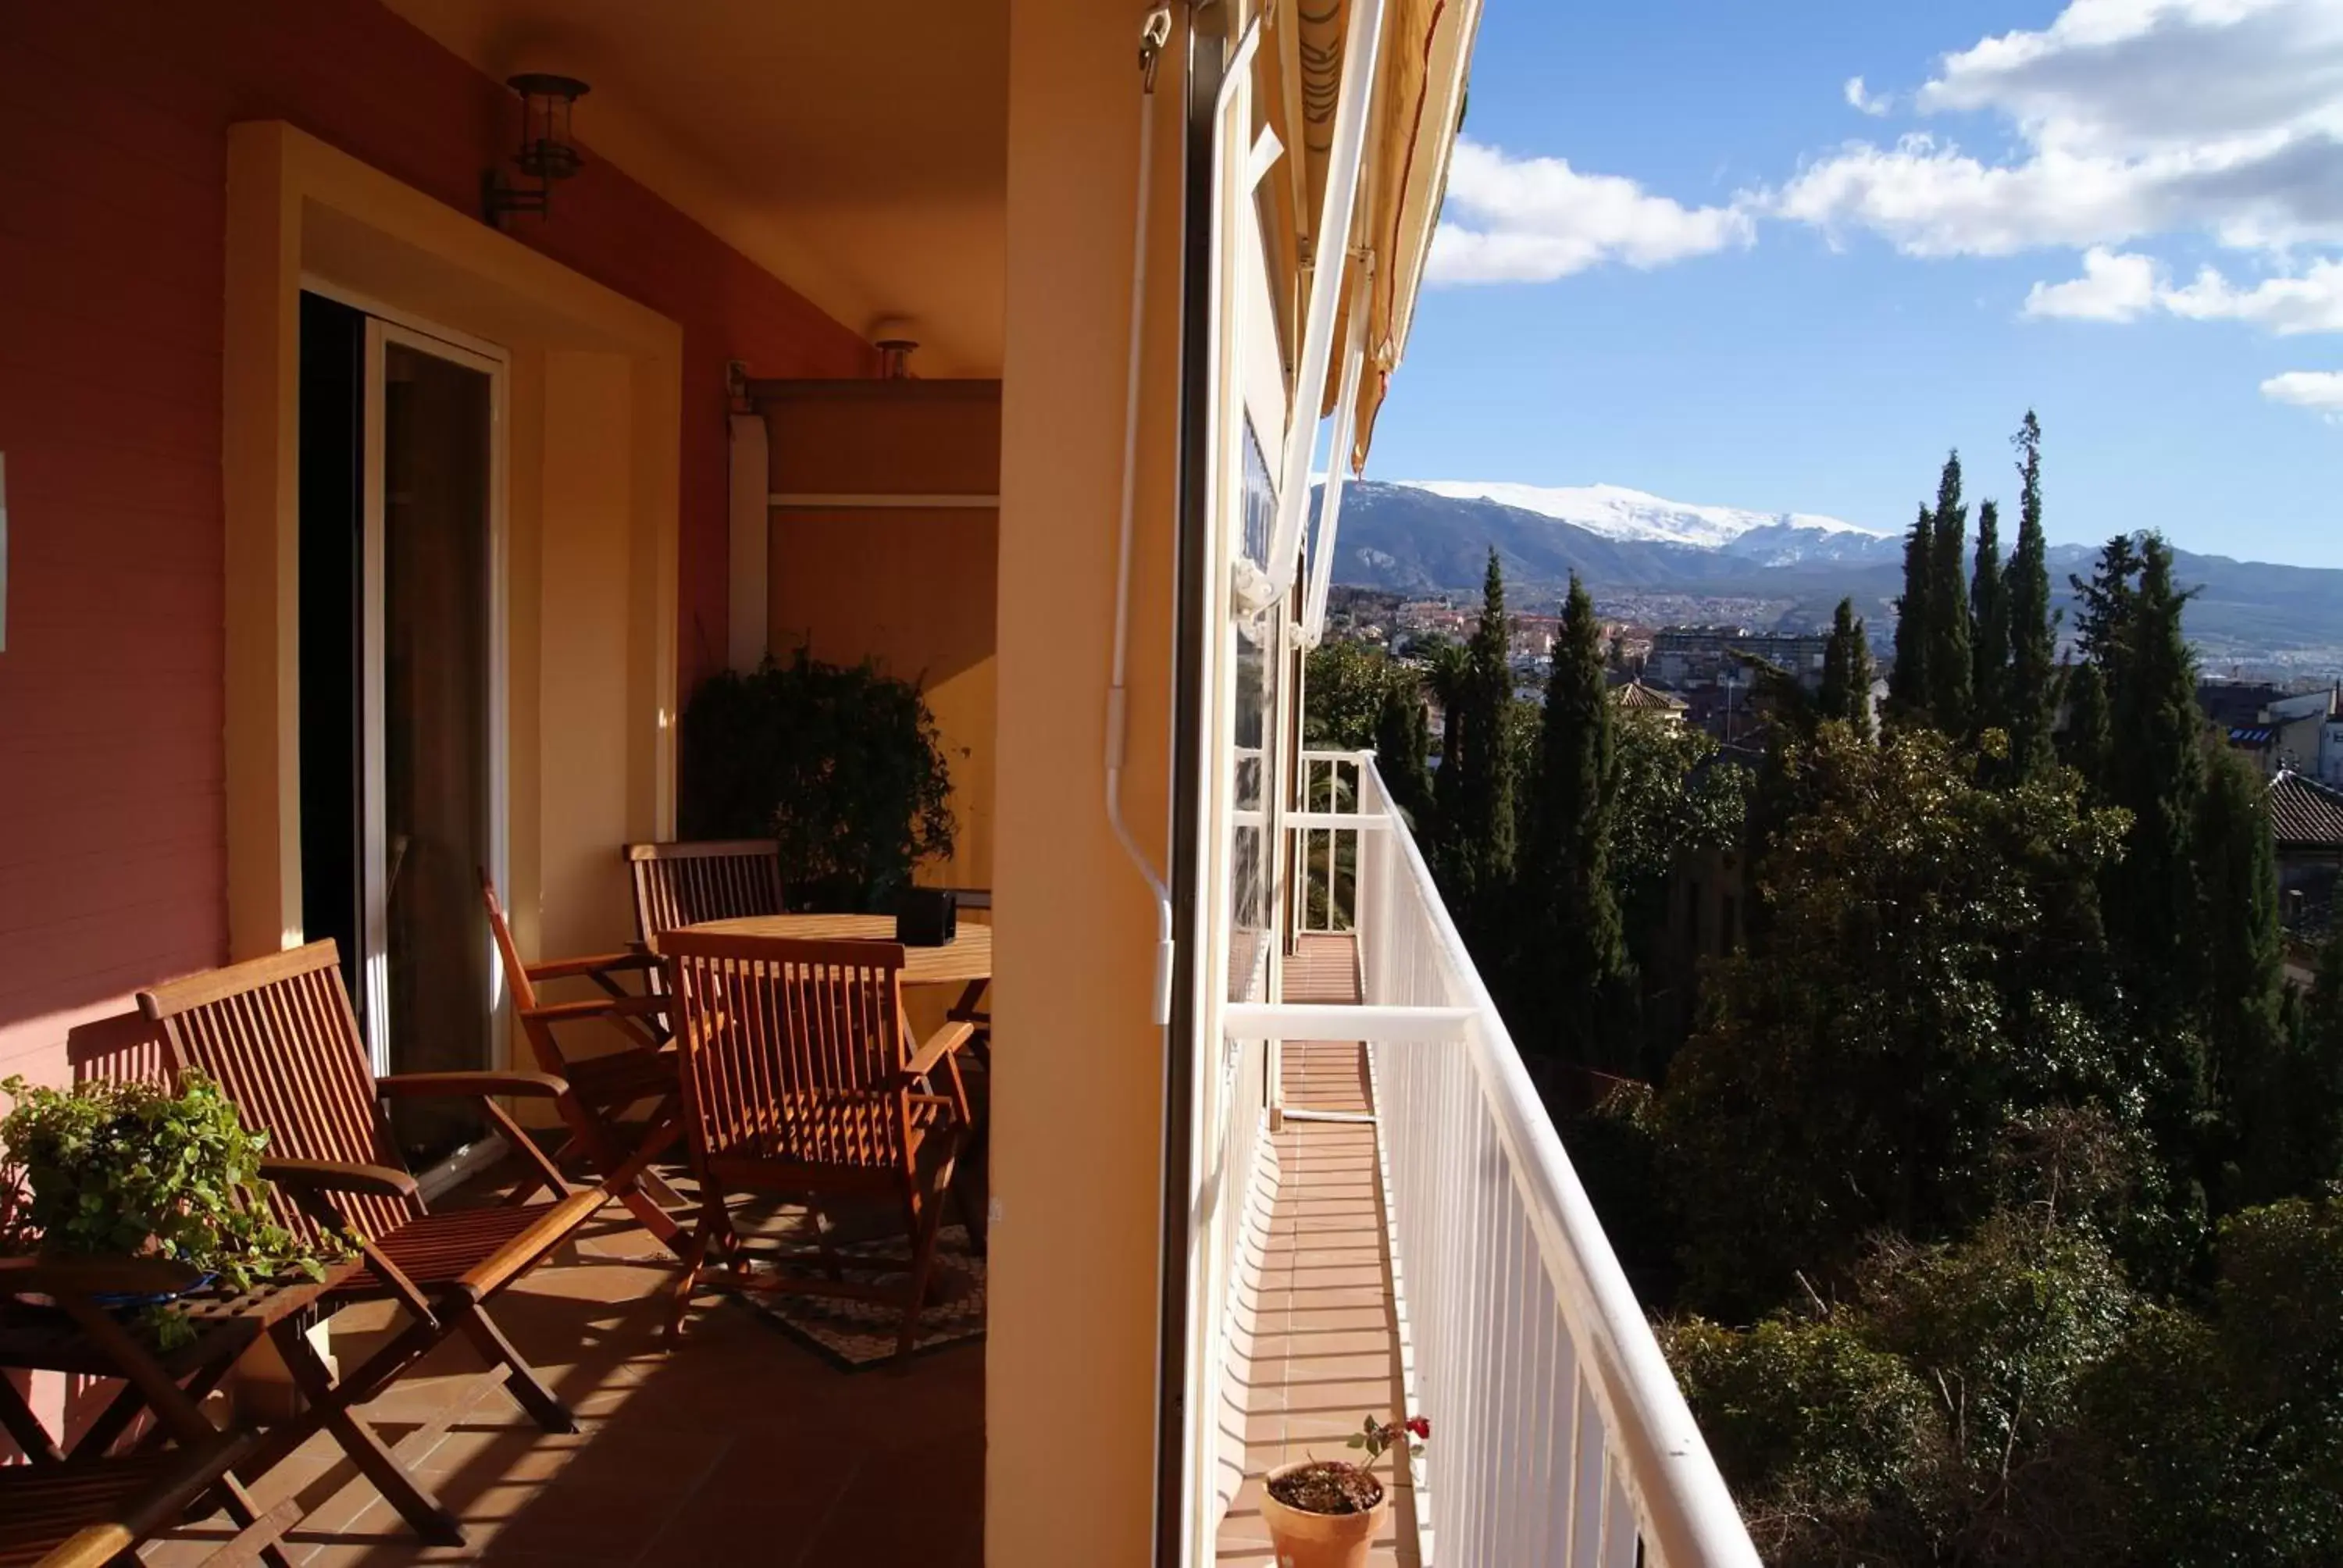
(792, 1051)
(679, 885)
(541, 1043)
(278, 1035)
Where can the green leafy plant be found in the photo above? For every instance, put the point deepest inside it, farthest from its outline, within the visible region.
(842, 764)
(122, 1169)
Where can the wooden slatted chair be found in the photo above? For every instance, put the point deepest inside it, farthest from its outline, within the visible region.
(602, 1087)
(801, 1080)
(89, 1512)
(278, 1035)
(679, 885)
(95, 1515)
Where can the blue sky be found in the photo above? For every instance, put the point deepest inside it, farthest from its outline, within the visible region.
(1795, 306)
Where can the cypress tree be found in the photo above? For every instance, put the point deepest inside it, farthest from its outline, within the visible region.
(2236, 875)
(2155, 768)
(2086, 737)
(1907, 678)
(1847, 673)
(1988, 626)
(1402, 739)
(2103, 606)
(2028, 697)
(1574, 953)
(1949, 669)
(1479, 830)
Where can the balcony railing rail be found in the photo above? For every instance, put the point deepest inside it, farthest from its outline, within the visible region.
(1560, 1434)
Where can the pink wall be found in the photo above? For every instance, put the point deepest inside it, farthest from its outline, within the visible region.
(113, 122)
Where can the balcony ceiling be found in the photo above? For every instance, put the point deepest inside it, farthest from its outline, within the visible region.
(858, 152)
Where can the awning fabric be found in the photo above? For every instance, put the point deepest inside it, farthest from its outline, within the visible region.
(1422, 65)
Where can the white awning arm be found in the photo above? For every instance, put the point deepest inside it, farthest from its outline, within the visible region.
(1338, 458)
(1345, 161)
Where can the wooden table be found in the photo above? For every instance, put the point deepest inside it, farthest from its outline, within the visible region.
(965, 960)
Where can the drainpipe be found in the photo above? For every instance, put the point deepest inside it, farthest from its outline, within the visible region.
(1154, 33)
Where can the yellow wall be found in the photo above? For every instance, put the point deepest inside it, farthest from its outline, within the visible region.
(1079, 1068)
(591, 471)
(910, 589)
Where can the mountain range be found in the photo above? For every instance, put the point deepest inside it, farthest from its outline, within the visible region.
(1648, 557)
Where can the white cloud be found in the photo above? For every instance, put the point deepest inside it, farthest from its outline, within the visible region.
(2124, 287)
(2113, 287)
(2317, 389)
(1864, 103)
(1536, 219)
(2311, 301)
(2131, 117)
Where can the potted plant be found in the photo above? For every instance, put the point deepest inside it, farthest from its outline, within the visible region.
(841, 765)
(1326, 1513)
(130, 1170)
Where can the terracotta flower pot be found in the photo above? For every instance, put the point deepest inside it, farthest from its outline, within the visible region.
(1321, 1540)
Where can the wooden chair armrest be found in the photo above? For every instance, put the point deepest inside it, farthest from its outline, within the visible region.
(94, 1276)
(466, 1085)
(941, 1044)
(594, 964)
(334, 1176)
(601, 1007)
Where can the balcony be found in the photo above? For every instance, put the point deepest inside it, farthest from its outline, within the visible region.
(1498, 1309)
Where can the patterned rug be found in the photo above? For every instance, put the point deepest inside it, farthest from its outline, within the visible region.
(855, 1336)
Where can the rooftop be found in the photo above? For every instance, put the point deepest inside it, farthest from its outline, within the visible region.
(2305, 812)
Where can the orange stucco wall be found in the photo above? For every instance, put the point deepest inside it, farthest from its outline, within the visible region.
(910, 589)
(1069, 1358)
(113, 147)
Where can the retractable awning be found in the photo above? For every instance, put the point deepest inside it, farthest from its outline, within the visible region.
(1421, 71)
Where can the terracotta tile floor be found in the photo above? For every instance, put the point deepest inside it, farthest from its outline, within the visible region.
(740, 1447)
(1325, 1339)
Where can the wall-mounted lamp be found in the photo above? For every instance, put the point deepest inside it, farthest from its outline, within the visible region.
(897, 338)
(547, 152)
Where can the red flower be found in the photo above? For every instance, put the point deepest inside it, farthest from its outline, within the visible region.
(1420, 1424)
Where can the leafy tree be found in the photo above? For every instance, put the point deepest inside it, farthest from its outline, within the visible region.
(2216, 1437)
(1931, 967)
(1907, 678)
(1950, 661)
(1447, 672)
(1572, 960)
(1344, 683)
(1479, 825)
(1988, 626)
(2030, 696)
(1845, 694)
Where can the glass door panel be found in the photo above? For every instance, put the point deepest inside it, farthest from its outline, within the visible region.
(430, 982)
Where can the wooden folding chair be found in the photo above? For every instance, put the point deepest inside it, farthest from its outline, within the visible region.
(91, 1507)
(96, 1515)
(799, 1080)
(602, 1087)
(679, 885)
(278, 1035)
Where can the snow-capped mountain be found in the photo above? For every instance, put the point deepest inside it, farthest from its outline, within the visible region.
(1616, 512)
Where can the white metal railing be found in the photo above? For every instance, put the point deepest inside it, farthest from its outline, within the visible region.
(1560, 1435)
(1326, 851)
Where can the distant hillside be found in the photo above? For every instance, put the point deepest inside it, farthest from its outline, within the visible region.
(1412, 540)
